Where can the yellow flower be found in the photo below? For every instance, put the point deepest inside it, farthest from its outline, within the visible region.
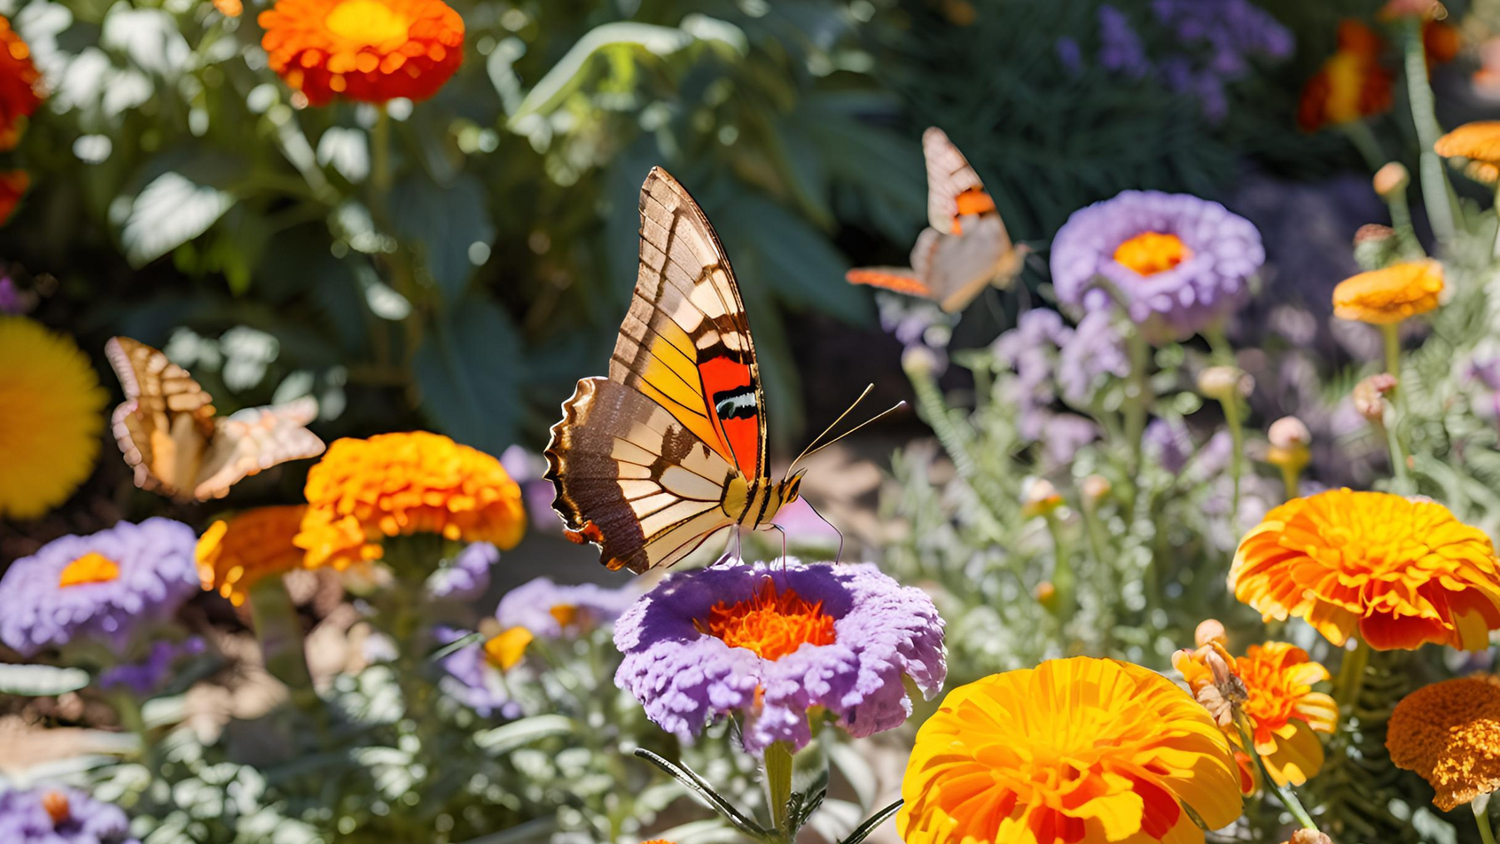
(1390, 295)
(1399, 572)
(234, 553)
(1073, 750)
(1479, 142)
(505, 649)
(1273, 684)
(50, 422)
(1449, 733)
(363, 491)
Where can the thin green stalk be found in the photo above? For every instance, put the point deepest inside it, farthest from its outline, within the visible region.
(1285, 794)
(1481, 809)
(1351, 679)
(1406, 233)
(279, 632)
(1062, 570)
(778, 774)
(1137, 398)
(1437, 192)
(1365, 141)
(1231, 405)
(1291, 479)
(380, 154)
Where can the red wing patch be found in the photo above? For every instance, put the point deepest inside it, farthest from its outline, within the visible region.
(732, 394)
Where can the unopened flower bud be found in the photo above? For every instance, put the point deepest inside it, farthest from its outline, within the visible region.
(1392, 179)
(1289, 440)
(1210, 630)
(1369, 396)
(1046, 595)
(1373, 233)
(1310, 836)
(1095, 487)
(1225, 383)
(1040, 498)
(920, 360)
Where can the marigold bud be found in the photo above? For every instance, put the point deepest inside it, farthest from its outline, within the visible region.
(1039, 498)
(1046, 595)
(1391, 180)
(1289, 439)
(1225, 383)
(1095, 487)
(1210, 630)
(1373, 233)
(1310, 836)
(1369, 396)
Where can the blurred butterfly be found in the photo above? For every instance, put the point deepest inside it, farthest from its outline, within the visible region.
(965, 247)
(670, 449)
(179, 446)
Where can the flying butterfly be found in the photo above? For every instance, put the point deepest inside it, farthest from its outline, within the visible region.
(175, 442)
(965, 246)
(670, 448)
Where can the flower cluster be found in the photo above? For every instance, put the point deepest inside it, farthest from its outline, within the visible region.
(60, 815)
(1449, 733)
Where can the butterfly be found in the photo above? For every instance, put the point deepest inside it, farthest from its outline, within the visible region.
(965, 246)
(175, 442)
(670, 448)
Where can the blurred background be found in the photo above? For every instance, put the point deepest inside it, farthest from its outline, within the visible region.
(181, 194)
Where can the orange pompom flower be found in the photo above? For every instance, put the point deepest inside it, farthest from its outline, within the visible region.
(363, 491)
(20, 85)
(1390, 295)
(1449, 733)
(1079, 749)
(1351, 85)
(373, 51)
(236, 552)
(1272, 686)
(1399, 573)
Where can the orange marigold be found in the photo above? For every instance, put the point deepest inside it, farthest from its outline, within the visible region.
(236, 552)
(1274, 691)
(1351, 85)
(1390, 295)
(1398, 572)
(1079, 749)
(1478, 141)
(368, 50)
(1449, 732)
(20, 85)
(362, 491)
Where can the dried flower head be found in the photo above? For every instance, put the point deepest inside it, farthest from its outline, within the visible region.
(1373, 232)
(1209, 631)
(1449, 732)
(1289, 439)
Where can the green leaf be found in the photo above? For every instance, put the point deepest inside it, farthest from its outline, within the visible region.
(447, 226)
(791, 258)
(468, 371)
(502, 740)
(41, 680)
(863, 831)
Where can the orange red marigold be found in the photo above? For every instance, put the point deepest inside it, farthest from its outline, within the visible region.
(367, 50)
(236, 552)
(1351, 85)
(20, 85)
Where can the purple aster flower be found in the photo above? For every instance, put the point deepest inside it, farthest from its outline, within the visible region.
(60, 815)
(919, 325)
(550, 610)
(1180, 262)
(1121, 50)
(473, 679)
(102, 586)
(773, 641)
(1094, 351)
(1031, 350)
(468, 576)
(148, 675)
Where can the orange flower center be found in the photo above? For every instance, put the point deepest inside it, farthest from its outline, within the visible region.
(1149, 253)
(90, 568)
(367, 22)
(565, 614)
(56, 804)
(772, 624)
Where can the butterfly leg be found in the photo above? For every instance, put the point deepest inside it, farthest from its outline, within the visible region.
(779, 529)
(840, 555)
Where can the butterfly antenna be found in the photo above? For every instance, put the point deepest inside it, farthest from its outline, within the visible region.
(831, 426)
(840, 555)
(877, 417)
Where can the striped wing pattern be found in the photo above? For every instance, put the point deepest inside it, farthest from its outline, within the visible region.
(953, 187)
(643, 460)
(177, 445)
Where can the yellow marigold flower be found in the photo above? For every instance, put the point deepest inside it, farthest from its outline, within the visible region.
(368, 50)
(363, 491)
(1477, 141)
(1272, 686)
(1390, 295)
(50, 423)
(1398, 572)
(20, 85)
(234, 553)
(1449, 733)
(1077, 749)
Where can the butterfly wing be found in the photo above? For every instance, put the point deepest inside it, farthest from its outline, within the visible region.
(895, 279)
(643, 461)
(165, 421)
(253, 440)
(958, 267)
(953, 187)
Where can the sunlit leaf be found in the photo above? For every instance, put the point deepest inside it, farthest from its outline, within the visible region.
(468, 372)
(41, 680)
(169, 212)
(443, 224)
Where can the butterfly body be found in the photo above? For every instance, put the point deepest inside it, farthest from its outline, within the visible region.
(671, 447)
(965, 247)
(178, 445)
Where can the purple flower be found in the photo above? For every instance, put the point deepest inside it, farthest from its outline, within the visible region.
(473, 680)
(60, 815)
(550, 610)
(1120, 50)
(148, 675)
(773, 641)
(917, 324)
(102, 586)
(1092, 352)
(1070, 55)
(1191, 262)
(1064, 435)
(1031, 350)
(468, 576)
(12, 300)
(1168, 443)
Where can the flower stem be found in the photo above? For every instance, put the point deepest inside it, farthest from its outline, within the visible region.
(1437, 193)
(1291, 479)
(778, 773)
(1284, 793)
(1481, 809)
(1406, 233)
(380, 154)
(1351, 679)
(1062, 570)
(1137, 397)
(1365, 141)
(279, 632)
(1231, 405)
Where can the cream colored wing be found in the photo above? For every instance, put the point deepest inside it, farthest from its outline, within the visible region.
(164, 423)
(958, 267)
(253, 440)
